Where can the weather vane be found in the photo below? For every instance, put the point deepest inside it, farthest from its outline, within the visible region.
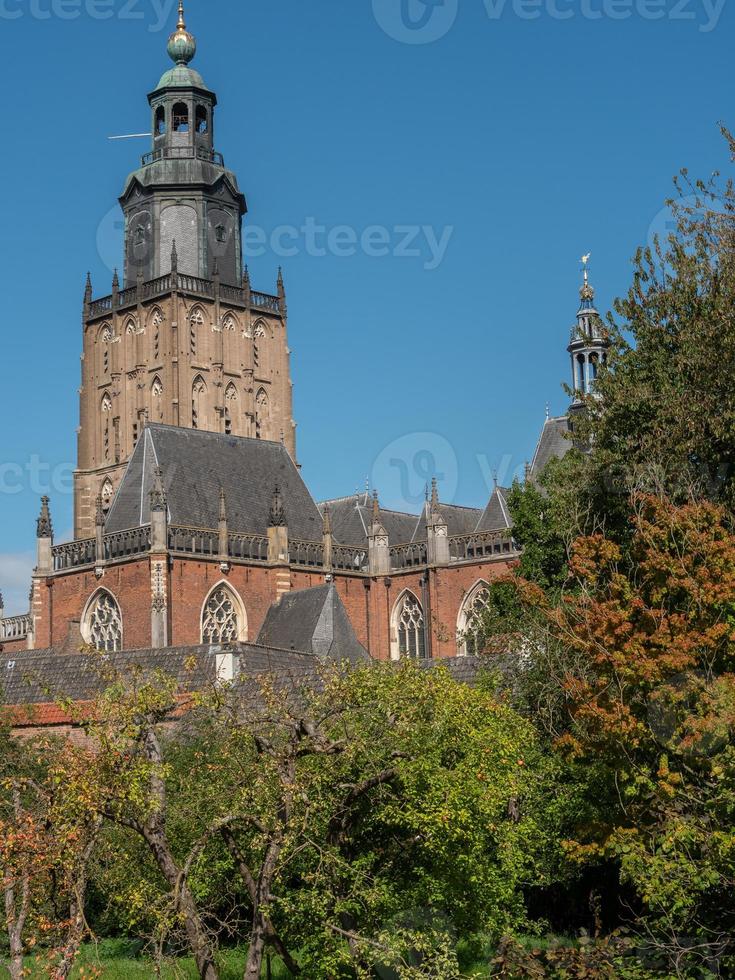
(585, 262)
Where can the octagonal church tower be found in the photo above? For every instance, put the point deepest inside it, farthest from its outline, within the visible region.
(184, 340)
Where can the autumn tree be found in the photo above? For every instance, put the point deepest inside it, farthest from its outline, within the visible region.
(648, 688)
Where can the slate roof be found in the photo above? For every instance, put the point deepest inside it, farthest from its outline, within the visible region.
(314, 621)
(352, 516)
(496, 515)
(195, 465)
(552, 444)
(42, 676)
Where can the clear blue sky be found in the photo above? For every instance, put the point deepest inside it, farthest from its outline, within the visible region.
(532, 131)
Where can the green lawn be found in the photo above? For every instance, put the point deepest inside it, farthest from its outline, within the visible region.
(117, 960)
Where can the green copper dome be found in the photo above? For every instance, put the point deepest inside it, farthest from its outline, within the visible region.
(181, 77)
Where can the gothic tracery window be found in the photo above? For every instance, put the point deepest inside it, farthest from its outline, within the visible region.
(107, 493)
(230, 407)
(410, 627)
(222, 617)
(157, 399)
(106, 424)
(102, 626)
(261, 412)
(196, 320)
(471, 627)
(198, 403)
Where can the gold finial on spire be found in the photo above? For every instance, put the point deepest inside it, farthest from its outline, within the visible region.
(586, 292)
(182, 23)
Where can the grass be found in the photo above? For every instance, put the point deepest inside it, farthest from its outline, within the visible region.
(119, 960)
(122, 959)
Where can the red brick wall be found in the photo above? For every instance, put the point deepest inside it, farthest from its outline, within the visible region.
(369, 602)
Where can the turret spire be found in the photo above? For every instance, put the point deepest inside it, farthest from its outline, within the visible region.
(182, 45)
(589, 341)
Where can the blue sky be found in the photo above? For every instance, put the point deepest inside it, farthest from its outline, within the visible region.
(518, 133)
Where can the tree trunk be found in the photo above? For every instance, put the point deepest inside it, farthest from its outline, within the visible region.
(196, 934)
(256, 951)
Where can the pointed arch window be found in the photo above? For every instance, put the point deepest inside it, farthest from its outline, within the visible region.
(180, 117)
(196, 321)
(106, 407)
(471, 623)
(261, 412)
(107, 493)
(105, 337)
(102, 623)
(409, 628)
(223, 617)
(230, 407)
(157, 399)
(199, 403)
(156, 320)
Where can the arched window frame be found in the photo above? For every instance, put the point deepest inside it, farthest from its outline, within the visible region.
(201, 120)
(104, 339)
(469, 612)
(180, 118)
(103, 632)
(199, 403)
(231, 409)
(159, 125)
(413, 646)
(106, 425)
(262, 412)
(107, 493)
(240, 635)
(196, 321)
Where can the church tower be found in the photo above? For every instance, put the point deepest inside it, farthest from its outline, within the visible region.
(588, 344)
(184, 340)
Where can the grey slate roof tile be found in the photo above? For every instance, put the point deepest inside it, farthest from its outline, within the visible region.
(313, 621)
(552, 444)
(196, 464)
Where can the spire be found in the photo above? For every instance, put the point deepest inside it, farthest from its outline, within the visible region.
(44, 527)
(281, 291)
(2, 605)
(88, 290)
(277, 515)
(434, 496)
(174, 257)
(327, 520)
(589, 342)
(115, 281)
(587, 293)
(222, 505)
(182, 45)
(376, 508)
(158, 492)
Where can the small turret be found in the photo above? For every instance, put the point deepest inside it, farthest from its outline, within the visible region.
(588, 344)
(378, 542)
(437, 530)
(44, 539)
